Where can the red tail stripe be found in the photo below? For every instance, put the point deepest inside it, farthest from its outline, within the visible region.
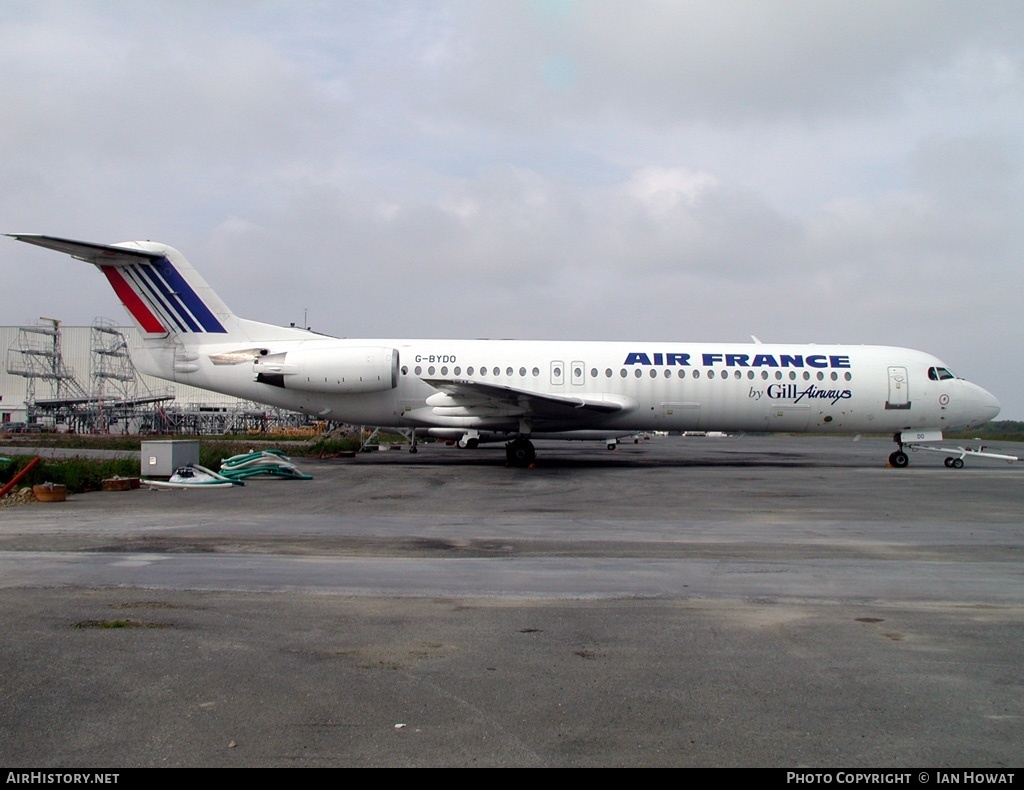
(131, 300)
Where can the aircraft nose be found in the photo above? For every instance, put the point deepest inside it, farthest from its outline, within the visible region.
(984, 405)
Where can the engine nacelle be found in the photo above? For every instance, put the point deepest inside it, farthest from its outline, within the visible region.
(345, 370)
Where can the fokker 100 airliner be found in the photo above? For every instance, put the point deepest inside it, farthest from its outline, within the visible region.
(510, 390)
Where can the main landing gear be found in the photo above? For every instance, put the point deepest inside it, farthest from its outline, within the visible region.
(470, 440)
(520, 453)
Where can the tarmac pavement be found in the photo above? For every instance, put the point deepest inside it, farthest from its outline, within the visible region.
(758, 601)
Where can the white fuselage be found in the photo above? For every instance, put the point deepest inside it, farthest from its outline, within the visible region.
(658, 386)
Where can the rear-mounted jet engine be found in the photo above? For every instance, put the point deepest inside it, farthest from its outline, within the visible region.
(334, 370)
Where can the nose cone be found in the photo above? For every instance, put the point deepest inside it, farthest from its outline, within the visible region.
(982, 405)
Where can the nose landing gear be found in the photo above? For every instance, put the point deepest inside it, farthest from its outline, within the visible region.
(899, 459)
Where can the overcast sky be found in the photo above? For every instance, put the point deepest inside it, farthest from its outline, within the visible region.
(806, 171)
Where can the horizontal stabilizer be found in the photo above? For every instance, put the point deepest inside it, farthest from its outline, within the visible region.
(99, 254)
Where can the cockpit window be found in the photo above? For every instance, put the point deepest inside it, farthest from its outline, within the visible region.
(939, 374)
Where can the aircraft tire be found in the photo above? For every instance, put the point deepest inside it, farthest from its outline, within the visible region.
(958, 463)
(520, 453)
(899, 459)
(948, 462)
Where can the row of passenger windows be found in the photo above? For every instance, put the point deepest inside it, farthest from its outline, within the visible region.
(653, 373)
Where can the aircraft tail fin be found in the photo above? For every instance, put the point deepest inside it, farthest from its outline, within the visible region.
(164, 295)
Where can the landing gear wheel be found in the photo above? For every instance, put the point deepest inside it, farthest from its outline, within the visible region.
(899, 459)
(612, 445)
(958, 463)
(949, 462)
(472, 444)
(520, 453)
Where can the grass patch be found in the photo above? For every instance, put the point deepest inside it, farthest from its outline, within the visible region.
(212, 450)
(77, 473)
(118, 624)
(333, 446)
(130, 442)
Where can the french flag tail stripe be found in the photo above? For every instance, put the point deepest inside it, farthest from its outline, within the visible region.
(140, 312)
(179, 285)
(134, 276)
(160, 298)
(164, 297)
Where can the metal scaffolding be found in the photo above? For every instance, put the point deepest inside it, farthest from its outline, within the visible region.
(37, 356)
(243, 417)
(116, 401)
(114, 397)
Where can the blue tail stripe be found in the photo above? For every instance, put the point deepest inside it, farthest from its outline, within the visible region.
(191, 299)
(154, 275)
(153, 291)
(138, 277)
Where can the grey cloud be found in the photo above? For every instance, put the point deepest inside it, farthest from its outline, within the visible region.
(807, 171)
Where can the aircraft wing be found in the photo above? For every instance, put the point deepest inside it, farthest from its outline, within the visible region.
(475, 398)
(100, 254)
